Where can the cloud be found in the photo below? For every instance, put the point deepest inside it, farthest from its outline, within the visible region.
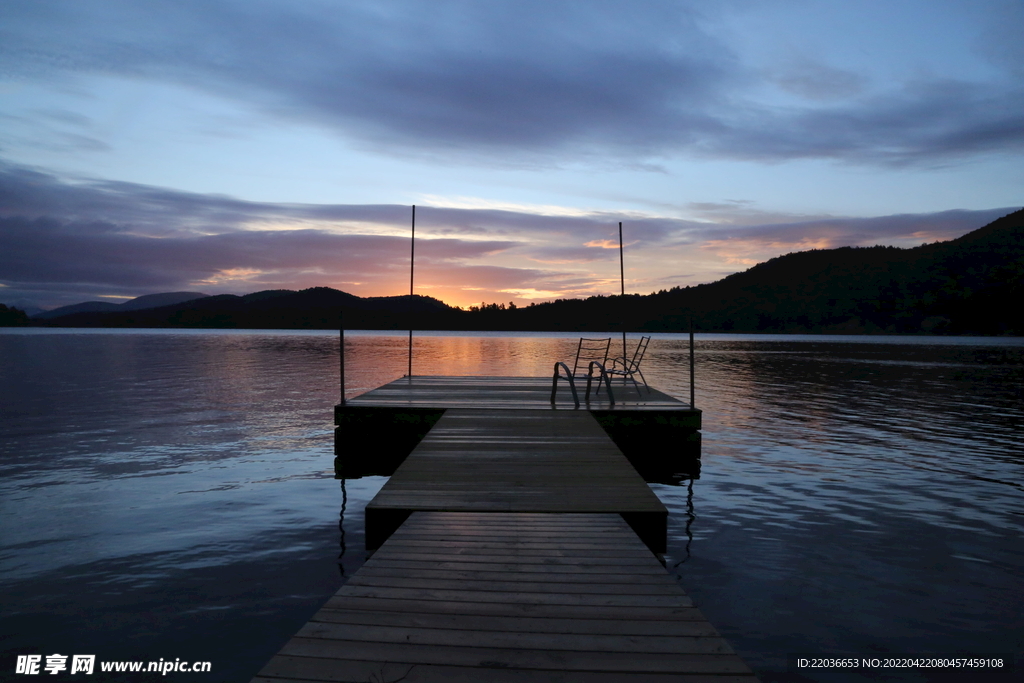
(1000, 40)
(63, 242)
(156, 211)
(100, 253)
(925, 122)
(98, 238)
(816, 81)
(529, 82)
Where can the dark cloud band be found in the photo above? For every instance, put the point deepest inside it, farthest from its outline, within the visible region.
(500, 82)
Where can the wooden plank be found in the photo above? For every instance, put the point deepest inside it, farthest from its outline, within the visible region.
(554, 556)
(573, 568)
(614, 612)
(520, 598)
(583, 660)
(695, 626)
(545, 543)
(494, 531)
(309, 670)
(396, 619)
(576, 576)
(518, 587)
(509, 638)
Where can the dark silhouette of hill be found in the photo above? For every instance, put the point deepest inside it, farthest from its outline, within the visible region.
(315, 308)
(136, 304)
(970, 285)
(12, 317)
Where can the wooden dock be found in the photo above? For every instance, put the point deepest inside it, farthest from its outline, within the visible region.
(514, 542)
(488, 460)
(400, 413)
(509, 597)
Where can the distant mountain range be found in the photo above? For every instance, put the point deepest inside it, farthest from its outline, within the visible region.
(136, 304)
(970, 285)
(315, 308)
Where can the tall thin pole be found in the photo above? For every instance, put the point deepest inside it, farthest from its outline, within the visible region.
(341, 353)
(691, 363)
(622, 284)
(412, 266)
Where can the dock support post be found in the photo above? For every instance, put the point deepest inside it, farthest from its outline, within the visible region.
(691, 364)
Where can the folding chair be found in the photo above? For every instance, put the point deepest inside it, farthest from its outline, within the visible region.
(589, 352)
(628, 368)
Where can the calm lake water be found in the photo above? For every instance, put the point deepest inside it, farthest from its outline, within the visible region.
(170, 494)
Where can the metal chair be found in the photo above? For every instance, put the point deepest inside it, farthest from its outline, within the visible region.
(590, 354)
(628, 368)
(590, 350)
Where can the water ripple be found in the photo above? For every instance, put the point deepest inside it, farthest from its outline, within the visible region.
(165, 487)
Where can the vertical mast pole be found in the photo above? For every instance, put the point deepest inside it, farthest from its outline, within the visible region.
(412, 266)
(622, 285)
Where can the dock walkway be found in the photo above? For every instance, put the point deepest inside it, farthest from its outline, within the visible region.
(510, 545)
(460, 597)
(491, 460)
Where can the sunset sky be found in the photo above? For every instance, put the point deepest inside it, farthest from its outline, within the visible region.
(229, 147)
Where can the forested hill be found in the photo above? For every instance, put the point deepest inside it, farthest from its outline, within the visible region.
(970, 285)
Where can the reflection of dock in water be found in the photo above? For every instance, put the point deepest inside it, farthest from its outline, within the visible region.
(511, 542)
